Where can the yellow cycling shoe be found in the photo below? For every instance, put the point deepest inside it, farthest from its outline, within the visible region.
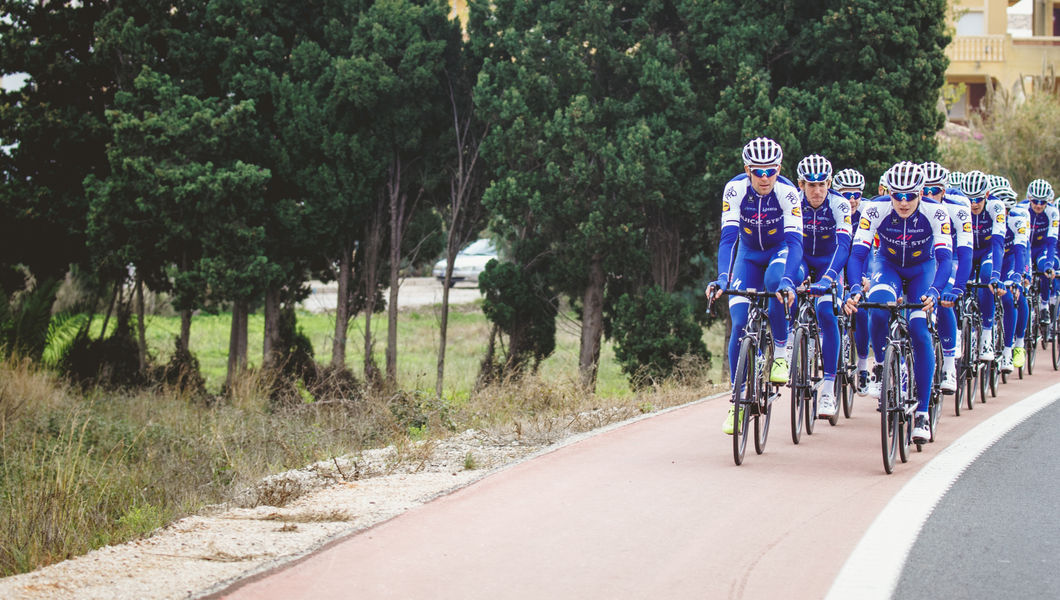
(727, 424)
(779, 372)
(1019, 358)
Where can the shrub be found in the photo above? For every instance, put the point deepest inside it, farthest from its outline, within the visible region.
(652, 331)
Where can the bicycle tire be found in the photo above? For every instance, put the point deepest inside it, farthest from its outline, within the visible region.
(890, 396)
(971, 361)
(849, 372)
(799, 381)
(935, 400)
(1030, 343)
(963, 370)
(906, 421)
(765, 407)
(814, 364)
(745, 366)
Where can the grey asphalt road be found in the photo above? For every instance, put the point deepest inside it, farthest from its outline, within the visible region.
(996, 532)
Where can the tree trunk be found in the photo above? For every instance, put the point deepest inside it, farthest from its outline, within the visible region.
(184, 341)
(373, 247)
(141, 335)
(450, 255)
(342, 309)
(592, 324)
(237, 343)
(272, 346)
(398, 200)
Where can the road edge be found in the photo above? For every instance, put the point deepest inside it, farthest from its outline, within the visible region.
(872, 570)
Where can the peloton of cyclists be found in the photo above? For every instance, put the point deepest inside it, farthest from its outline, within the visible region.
(928, 233)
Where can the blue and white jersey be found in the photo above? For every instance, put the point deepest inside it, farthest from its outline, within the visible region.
(826, 231)
(909, 241)
(904, 242)
(1017, 231)
(1043, 229)
(760, 222)
(960, 211)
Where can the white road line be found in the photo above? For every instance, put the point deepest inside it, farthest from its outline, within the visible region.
(872, 570)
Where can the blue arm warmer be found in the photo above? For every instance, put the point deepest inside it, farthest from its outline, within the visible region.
(943, 267)
(964, 268)
(729, 237)
(998, 250)
(856, 266)
(793, 239)
(839, 257)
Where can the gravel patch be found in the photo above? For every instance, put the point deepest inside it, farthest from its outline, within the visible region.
(310, 507)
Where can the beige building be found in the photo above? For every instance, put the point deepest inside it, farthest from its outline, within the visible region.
(1014, 52)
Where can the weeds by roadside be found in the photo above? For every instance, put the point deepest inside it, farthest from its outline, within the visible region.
(81, 471)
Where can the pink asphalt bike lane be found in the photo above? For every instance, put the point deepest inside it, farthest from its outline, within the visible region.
(653, 509)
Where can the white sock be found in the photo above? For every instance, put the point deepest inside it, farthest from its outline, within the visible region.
(1018, 342)
(863, 363)
(1008, 353)
(948, 363)
(780, 351)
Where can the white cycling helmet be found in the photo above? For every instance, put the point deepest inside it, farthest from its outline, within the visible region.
(1007, 195)
(905, 177)
(996, 183)
(814, 168)
(848, 179)
(1039, 189)
(934, 173)
(762, 152)
(954, 179)
(974, 184)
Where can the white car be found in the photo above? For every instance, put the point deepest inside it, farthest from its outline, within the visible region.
(469, 262)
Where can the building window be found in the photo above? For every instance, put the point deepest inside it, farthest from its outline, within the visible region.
(971, 23)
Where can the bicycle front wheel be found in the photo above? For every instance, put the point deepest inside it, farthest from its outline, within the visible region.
(890, 408)
(800, 377)
(743, 397)
(763, 401)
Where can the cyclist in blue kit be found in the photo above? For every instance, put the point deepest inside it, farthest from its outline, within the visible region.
(851, 185)
(761, 247)
(825, 247)
(1015, 271)
(915, 264)
(959, 210)
(1044, 226)
(988, 247)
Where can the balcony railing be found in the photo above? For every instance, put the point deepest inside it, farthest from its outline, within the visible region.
(981, 48)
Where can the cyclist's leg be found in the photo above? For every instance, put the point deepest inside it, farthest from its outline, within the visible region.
(778, 313)
(986, 303)
(747, 274)
(947, 329)
(886, 286)
(919, 280)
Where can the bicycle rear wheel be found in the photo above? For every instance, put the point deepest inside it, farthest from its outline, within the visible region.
(971, 362)
(907, 396)
(962, 371)
(765, 406)
(849, 371)
(890, 395)
(799, 383)
(743, 397)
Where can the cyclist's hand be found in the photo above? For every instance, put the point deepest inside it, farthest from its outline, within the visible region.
(1050, 273)
(821, 288)
(951, 297)
(715, 288)
(929, 299)
(851, 305)
(996, 287)
(786, 292)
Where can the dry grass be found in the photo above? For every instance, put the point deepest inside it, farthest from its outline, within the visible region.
(81, 471)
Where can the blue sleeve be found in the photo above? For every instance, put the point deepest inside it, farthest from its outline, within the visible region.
(856, 266)
(1023, 263)
(839, 257)
(729, 237)
(998, 251)
(793, 240)
(964, 268)
(943, 267)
